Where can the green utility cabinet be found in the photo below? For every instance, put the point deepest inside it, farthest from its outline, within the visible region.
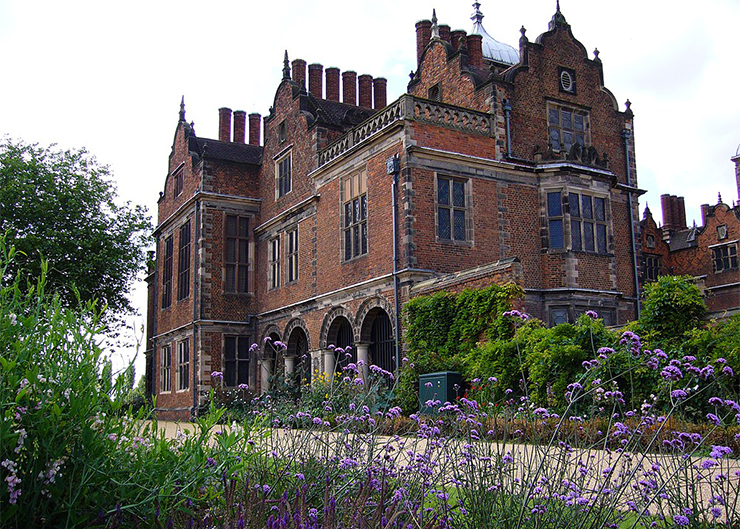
(445, 386)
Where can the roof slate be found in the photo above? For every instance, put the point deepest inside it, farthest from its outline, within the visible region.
(227, 151)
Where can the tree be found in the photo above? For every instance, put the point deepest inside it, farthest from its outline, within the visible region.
(673, 305)
(63, 206)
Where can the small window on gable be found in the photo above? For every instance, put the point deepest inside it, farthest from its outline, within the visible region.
(650, 241)
(567, 80)
(722, 232)
(284, 175)
(724, 258)
(179, 183)
(567, 126)
(435, 93)
(282, 133)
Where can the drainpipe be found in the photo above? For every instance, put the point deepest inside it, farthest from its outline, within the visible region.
(626, 137)
(507, 117)
(196, 226)
(157, 308)
(393, 167)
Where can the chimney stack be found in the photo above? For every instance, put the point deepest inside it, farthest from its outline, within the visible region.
(444, 32)
(665, 205)
(423, 36)
(736, 159)
(457, 37)
(299, 72)
(379, 92)
(681, 204)
(332, 84)
(315, 80)
(475, 50)
(254, 128)
(240, 125)
(349, 87)
(366, 91)
(704, 214)
(224, 124)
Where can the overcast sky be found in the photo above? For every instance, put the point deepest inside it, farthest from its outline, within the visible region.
(108, 76)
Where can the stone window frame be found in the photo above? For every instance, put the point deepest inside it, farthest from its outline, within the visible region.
(291, 238)
(242, 344)
(558, 208)
(165, 369)
(651, 267)
(566, 124)
(273, 263)
(167, 269)
(236, 266)
(724, 257)
(283, 174)
(564, 312)
(183, 262)
(354, 208)
(183, 366)
(452, 208)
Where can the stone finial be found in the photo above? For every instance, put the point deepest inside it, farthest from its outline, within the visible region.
(477, 17)
(719, 198)
(628, 110)
(596, 55)
(286, 66)
(435, 27)
(558, 19)
(182, 109)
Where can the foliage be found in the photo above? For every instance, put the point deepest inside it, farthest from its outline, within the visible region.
(441, 329)
(62, 206)
(673, 306)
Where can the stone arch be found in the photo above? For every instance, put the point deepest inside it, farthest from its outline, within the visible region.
(329, 320)
(298, 354)
(367, 312)
(296, 323)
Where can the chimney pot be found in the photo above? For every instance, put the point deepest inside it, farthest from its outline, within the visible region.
(379, 92)
(665, 206)
(349, 87)
(299, 72)
(332, 84)
(315, 80)
(254, 128)
(681, 213)
(240, 121)
(224, 124)
(423, 36)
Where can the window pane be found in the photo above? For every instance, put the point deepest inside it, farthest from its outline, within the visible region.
(231, 225)
(559, 316)
(567, 117)
(348, 214)
(578, 122)
(355, 241)
(586, 210)
(243, 377)
(573, 202)
(242, 279)
(364, 237)
(458, 194)
(230, 278)
(556, 234)
(588, 236)
(601, 238)
(443, 191)
(554, 207)
(553, 116)
(444, 223)
(363, 207)
(459, 225)
(243, 251)
(229, 348)
(567, 140)
(243, 227)
(599, 208)
(356, 210)
(555, 139)
(575, 234)
(347, 244)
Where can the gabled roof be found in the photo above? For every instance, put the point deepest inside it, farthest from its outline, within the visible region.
(226, 151)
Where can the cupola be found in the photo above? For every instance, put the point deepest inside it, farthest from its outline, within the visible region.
(492, 49)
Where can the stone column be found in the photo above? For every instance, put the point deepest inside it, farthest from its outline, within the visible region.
(363, 359)
(289, 366)
(266, 373)
(317, 358)
(330, 363)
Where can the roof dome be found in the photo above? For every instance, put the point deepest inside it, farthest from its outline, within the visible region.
(492, 49)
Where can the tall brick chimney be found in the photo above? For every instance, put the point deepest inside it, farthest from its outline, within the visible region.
(704, 213)
(681, 204)
(349, 87)
(254, 128)
(444, 32)
(240, 122)
(475, 50)
(299, 72)
(423, 36)
(736, 159)
(332, 84)
(379, 92)
(315, 80)
(224, 124)
(665, 205)
(456, 37)
(365, 83)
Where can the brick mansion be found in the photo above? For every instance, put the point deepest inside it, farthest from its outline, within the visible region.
(311, 226)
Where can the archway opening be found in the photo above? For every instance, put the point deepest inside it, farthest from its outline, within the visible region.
(340, 335)
(298, 347)
(382, 350)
